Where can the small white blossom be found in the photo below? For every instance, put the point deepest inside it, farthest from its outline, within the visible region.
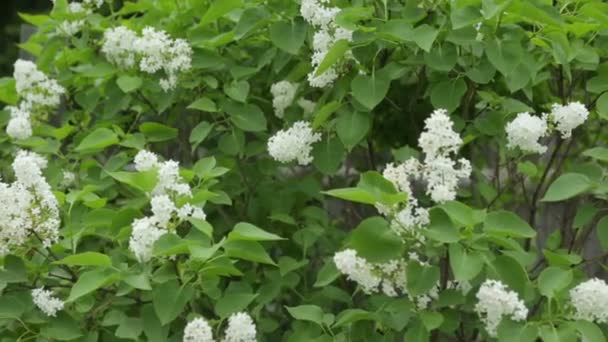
(357, 269)
(118, 46)
(525, 131)
(590, 300)
(170, 180)
(143, 236)
(145, 160)
(307, 106)
(68, 179)
(34, 87)
(27, 206)
(283, 94)
(240, 328)
(322, 17)
(568, 117)
(496, 301)
(162, 208)
(161, 52)
(198, 330)
(439, 137)
(293, 144)
(389, 278)
(70, 28)
(188, 210)
(39, 94)
(46, 302)
(19, 126)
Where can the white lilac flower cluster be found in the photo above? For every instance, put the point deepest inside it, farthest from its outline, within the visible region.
(27, 206)
(525, 131)
(147, 230)
(283, 94)
(590, 300)
(46, 302)
(78, 11)
(240, 329)
(154, 51)
(389, 278)
(39, 95)
(439, 170)
(496, 301)
(322, 17)
(294, 143)
(307, 106)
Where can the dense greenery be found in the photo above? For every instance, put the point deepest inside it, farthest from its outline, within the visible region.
(272, 229)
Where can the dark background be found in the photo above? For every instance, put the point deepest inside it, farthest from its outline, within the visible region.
(10, 24)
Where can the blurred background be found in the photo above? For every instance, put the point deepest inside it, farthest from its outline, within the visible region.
(10, 26)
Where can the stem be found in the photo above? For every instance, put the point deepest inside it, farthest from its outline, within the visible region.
(539, 188)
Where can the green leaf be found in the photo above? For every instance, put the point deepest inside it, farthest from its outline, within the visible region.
(424, 36)
(460, 213)
(61, 328)
(370, 90)
(504, 55)
(352, 127)
(91, 281)
(353, 194)
(589, 331)
(156, 132)
(14, 270)
(447, 94)
(97, 140)
(8, 93)
(199, 133)
(567, 186)
(218, 8)
(466, 265)
(349, 316)
(237, 91)
(601, 105)
(247, 250)
(248, 232)
(381, 188)
(170, 244)
(336, 52)
(86, 259)
(144, 181)
(288, 36)
(247, 117)
(465, 16)
(251, 19)
(34, 19)
(510, 331)
(138, 281)
(597, 153)
(233, 302)
(170, 299)
(327, 274)
(441, 228)
(311, 313)
(130, 328)
(552, 280)
(324, 113)
(602, 232)
(129, 83)
(203, 104)
(375, 241)
(510, 272)
(421, 278)
(504, 222)
(328, 154)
